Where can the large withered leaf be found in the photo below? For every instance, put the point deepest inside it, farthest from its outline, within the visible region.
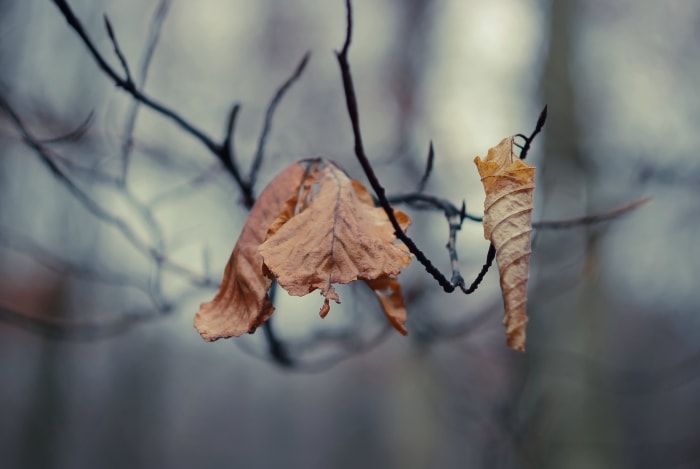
(242, 304)
(509, 185)
(332, 233)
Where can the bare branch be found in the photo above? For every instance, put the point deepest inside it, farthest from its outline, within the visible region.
(129, 86)
(353, 113)
(428, 201)
(538, 128)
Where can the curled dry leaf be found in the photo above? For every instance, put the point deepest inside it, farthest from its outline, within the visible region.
(242, 304)
(311, 227)
(331, 233)
(509, 185)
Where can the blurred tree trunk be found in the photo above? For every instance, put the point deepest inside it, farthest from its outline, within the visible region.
(568, 423)
(47, 415)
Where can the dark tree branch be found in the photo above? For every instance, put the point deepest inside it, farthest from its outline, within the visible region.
(118, 51)
(455, 217)
(228, 145)
(128, 85)
(490, 256)
(538, 128)
(428, 201)
(353, 113)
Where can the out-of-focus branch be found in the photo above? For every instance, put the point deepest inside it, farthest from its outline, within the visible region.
(46, 157)
(155, 27)
(127, 83)
(590, 219)
(23, 244)
(224, 151)
(77, 330)
(74, 134)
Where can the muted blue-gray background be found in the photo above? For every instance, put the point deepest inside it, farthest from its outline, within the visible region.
(610, 376)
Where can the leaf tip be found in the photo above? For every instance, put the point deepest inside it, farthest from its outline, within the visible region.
(325, 308)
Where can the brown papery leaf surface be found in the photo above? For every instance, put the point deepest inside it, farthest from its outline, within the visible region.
(331, 233)
(509, 184)
(242, 303)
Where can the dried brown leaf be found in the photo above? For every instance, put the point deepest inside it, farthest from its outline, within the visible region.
(335, 235)
(242, 303)
(509, 185)
(388, 292)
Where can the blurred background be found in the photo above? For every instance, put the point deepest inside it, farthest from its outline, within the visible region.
(103, 267)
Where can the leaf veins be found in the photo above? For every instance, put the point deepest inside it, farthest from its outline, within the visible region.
(335, 235)
(312, 227)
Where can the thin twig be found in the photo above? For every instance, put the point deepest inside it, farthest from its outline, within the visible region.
(428, 169)
(490, 256)
(228, 145)
(538, 128)
(267, 123)
(118, 50)
(590, 219)
(156, 25)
